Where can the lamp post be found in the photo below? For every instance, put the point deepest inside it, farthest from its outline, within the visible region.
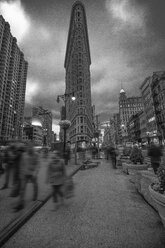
(65, 123)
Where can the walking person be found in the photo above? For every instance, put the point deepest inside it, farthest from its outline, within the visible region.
(67, 154)
(19, 149)
(29, 167)
(155, 153)
(1, 162)
(8, 161)
(113, 155)
(56, 176)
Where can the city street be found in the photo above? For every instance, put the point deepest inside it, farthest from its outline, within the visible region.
(106, 211)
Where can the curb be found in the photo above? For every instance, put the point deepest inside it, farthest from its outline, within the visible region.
(19, 221)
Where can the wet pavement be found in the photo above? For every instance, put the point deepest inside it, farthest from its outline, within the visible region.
(106, 211)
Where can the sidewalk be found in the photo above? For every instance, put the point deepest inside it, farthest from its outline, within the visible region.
(7, 215)
(106, 212)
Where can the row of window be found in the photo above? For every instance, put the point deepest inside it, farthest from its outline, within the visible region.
(161, 96)
(130, 112)
(161, 117)
(131, 105)
(80, 129)
(79, 138)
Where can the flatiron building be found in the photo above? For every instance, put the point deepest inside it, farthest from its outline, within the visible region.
(78, 80)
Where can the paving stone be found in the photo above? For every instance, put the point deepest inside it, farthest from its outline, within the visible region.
(107, 211)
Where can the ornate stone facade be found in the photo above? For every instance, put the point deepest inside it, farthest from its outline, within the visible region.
(128, 106)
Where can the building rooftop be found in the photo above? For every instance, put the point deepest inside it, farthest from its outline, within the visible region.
(122, 91)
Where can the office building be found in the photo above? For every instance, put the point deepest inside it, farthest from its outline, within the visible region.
(78, 80)
(137, 128)
(158, 93)
(33, 133)
(149, 110)
(128, 106)
(13, 75)
(46, 119)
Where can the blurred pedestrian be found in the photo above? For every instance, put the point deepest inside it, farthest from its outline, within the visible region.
(29, 167)
(106, 153)
(8, 161)
(56, 176)
(19, 149)
(1, 161)
(113, 155)
(155, 153)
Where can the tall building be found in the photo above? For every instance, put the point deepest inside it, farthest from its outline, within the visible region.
(116, 121)
(158, 93)
(33, 133)
(137, 128)
(77, 65)
(149, 110)
(46, 118)
(13, 75)
(107, 136)
(32, 130)
(128, 106)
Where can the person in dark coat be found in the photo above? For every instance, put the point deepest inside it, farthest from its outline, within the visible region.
(1, 161)
(155, 153)
(28, 171)
(19, 149)
(56, 176)
(67, 154)
(113, 155)
(8, 162)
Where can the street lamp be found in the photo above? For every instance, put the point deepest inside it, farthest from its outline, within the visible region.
(65, 123)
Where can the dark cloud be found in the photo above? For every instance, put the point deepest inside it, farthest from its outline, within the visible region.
(126, 43)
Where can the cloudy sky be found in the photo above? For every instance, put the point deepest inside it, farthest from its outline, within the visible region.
(127, 44)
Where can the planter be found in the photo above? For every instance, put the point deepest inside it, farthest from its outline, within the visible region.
(89, 166)
(64, 124)
(160, 203)
(132, 168)
(144, 179)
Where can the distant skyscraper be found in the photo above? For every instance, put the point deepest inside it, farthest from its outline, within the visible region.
(158, 93)
(116, 121)
(46, 118)
(13, 74)
(127, 107)
(77, 65)
(149, 110)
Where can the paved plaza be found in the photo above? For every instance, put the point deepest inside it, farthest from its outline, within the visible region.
(106, 211)
(7, 215)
